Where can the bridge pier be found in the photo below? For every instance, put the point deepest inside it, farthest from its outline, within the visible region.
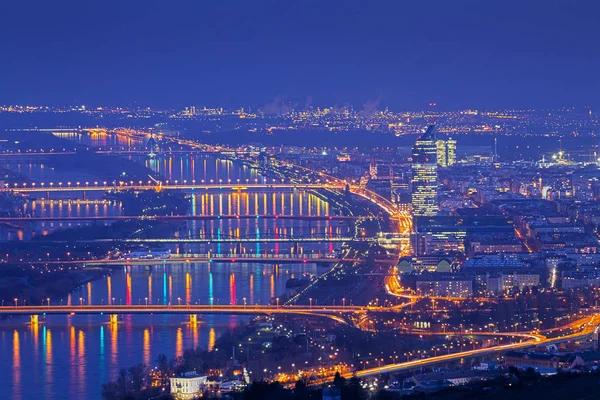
(34, 319)
(113, 318)
(193, 319)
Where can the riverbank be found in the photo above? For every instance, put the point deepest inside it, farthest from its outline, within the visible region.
(36, 285)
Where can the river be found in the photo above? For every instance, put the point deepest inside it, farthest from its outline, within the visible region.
(71, 356)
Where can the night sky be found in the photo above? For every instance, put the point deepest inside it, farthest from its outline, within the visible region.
(397, 53)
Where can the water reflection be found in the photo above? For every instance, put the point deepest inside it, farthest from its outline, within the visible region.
(146, 346)
(73, 355)
(16, 370)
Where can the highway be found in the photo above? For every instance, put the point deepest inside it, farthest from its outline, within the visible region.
(583, 327)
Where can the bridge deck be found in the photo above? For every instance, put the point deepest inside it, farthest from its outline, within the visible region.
(185, 218)
(74, 187)
(219, 258)
(177, 309)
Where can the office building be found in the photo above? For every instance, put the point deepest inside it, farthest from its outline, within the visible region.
(446, 152)
(425, 176)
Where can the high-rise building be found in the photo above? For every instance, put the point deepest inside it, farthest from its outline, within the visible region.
(425, 177)
(451, 151)
(442, 160)
(446, 152)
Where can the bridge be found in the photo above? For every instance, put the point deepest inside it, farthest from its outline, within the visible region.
(129, 150)
(219, 239)
(191, 310)
(220, 258)
(185, 218)
(183, 309)
(106, 187)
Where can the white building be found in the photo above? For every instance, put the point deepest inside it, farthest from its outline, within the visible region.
(445, 286)
(502, 283)
(188, 386)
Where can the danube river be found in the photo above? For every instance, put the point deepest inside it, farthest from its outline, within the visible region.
(71, 356)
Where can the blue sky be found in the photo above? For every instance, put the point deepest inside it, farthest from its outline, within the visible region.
(401, 54)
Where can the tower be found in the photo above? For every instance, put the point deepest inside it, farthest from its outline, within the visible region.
(425, 177)
(495, 149)
(373, 169)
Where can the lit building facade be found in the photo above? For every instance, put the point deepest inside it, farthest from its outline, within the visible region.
(188, 386)
(445, 286)
(425, 175)
(446, 152)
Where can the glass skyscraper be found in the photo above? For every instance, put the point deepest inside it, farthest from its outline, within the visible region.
(425, 175)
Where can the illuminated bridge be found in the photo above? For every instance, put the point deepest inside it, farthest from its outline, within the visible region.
(105, 187)
(220, 258)
(118, 151)
(191, 310)
(223, 239)
(184, 309)
(185, 218)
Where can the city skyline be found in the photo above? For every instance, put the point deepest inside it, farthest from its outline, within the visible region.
(299, 200)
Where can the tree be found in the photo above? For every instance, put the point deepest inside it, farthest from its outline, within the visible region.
(338, 381)
(110, 391)
(267, 391)
(354, 390)
(192, 360)
(163, 367)
(301, 390)
(385, 395)
(138, 375)
(118, 389)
